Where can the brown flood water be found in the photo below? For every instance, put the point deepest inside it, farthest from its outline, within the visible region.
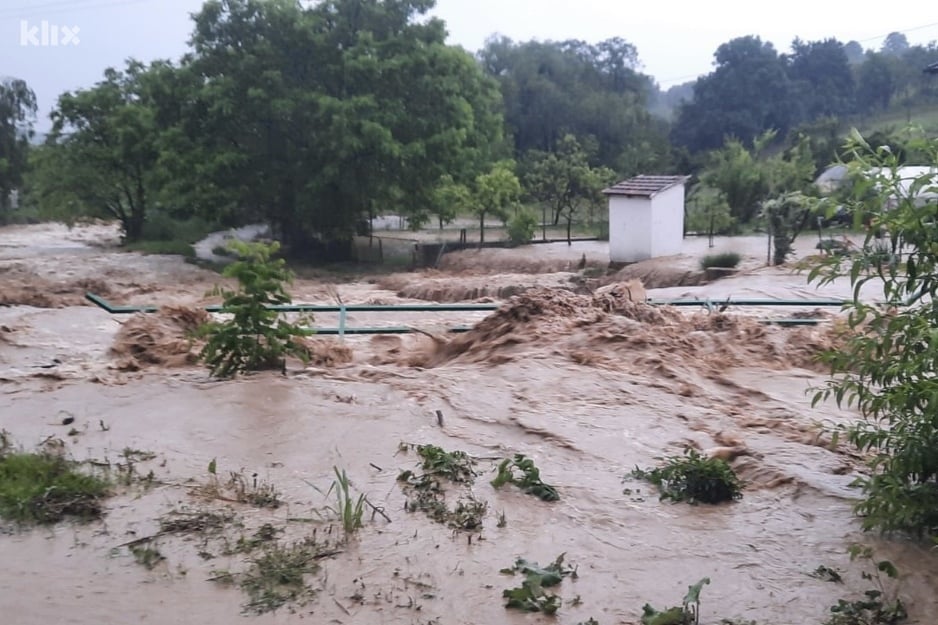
(589, 389)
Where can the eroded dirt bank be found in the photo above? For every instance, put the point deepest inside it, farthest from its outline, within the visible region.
(589, 386)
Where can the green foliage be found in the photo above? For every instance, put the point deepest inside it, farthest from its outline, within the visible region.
(727, 260)
(277, 576)
(521, 226)
(531, 596)
(878, 606)
(347, 509)
(255, 337)
(687, 614)
(426, 491)
(496, 193)
(101, 157)
(17, 113)
(592, 91)
(147, 555)
(709, 212)
(564, 181)
(694, 478)
(455, 466)
(886, 368)
(522, 472)
(45, 488)
(787, 215)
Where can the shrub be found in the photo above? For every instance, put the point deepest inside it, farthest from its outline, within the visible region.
(694, 478)
(521, 227)
(886, 369)
(726, 260)
(256, 337)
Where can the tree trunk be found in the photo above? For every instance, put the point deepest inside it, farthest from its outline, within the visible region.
(569, 224)
(481, 228)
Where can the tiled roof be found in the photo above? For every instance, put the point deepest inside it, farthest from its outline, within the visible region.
(645, 186)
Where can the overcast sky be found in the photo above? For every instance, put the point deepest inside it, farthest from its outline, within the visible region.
(675, 39)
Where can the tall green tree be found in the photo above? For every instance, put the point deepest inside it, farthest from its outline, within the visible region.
(748, 93)
(592, 91)
(17, 114)
(822, 78)
(101, 155)
(321, 116)
(876, 85)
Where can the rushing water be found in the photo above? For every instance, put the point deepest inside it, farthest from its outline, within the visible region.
(586, 425)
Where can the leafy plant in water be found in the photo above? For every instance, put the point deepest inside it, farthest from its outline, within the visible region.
(522, 472)
(879, 605)
(686, 614)
(147, 556)
(347, 509)
(886, 368)
(255, 337)
(455, 466)
(531, 596)
(694, 478)
(427, 494)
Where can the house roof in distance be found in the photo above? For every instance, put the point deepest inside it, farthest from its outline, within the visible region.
(645, 186)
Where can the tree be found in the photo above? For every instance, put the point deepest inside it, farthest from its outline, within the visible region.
(592, 91)
(450, 199)
(495, 193)
(735, 173)
(17, 113)
(876, 83)
(747, 94)
(854, 52)
(101, 155)
(256, 336)
(822, 78)
(564, 181)
(886, 368)
(895, 44)
(318, 117)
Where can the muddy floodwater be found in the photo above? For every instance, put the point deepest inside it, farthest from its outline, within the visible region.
(572, 374)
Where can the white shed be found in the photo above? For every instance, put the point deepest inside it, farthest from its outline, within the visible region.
(646, 217)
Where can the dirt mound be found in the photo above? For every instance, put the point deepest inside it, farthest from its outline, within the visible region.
(161, 338)
(612, 330)
(657, 274)
(326, 352)
(525, 259)
(433, 286)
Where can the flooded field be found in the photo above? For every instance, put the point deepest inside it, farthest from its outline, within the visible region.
(571, 373)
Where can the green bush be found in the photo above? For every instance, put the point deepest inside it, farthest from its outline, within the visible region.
(694, 478)
(886, 369)
(255, 337)
(726, 260)
(521, 227)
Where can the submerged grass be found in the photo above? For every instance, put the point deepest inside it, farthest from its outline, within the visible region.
(45, 488)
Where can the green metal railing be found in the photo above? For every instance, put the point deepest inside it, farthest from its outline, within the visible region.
(343, 311)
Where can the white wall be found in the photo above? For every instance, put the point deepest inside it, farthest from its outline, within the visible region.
(629, 229)
(668, 222)
(642, 228)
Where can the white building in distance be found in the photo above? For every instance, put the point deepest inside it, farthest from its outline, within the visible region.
(646, 217)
